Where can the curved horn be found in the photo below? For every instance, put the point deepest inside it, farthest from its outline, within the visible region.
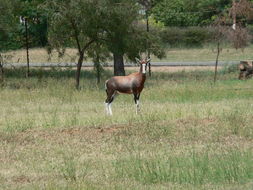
(148, 60)
(137, 60)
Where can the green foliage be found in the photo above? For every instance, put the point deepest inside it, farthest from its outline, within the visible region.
(71, 21)
(174, 13)
(195, 36)
(250, 28)
(188, 12)
(120, 16)
(12, 35)
(8, 24)
(111, 24)
(187, 37)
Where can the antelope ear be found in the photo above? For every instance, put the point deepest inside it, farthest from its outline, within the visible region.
(137, 60)
(148, 60)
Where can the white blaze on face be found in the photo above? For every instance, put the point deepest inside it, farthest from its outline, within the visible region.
(143, 68)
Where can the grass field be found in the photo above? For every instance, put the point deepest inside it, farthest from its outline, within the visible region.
(178, 55)
(190, 134)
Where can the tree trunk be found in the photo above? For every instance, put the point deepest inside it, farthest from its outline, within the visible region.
(27, 49)
(119, 69)
(98, 71)
(147, 25)
(98, 68)
(217, 61)
(78, 71)
(234, 14)
(2, 73)
(1, 69)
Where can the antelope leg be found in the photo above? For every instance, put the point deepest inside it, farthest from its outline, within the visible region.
(137, 102)
(110, 108)
(106, 108)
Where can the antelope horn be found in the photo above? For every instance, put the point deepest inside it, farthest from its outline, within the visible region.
(137, 60)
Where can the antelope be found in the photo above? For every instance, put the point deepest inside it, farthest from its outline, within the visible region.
(131, 84)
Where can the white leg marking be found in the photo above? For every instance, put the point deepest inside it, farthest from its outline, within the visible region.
(106, 108)
(110, 109)
(137, 106)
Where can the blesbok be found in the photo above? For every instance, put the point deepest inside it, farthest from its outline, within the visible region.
(131, 84)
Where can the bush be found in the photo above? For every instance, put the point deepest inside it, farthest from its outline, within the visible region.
(187, 37)
(195, 36)
(172, 36)
(250, 28)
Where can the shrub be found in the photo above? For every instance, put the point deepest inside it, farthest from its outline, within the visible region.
(172, 36)
(187, 37)
(195, 36)
(250, 28)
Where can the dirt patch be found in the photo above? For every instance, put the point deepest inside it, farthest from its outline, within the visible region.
(60, 135)
(91, 130)
(21, 179)
(204, 121)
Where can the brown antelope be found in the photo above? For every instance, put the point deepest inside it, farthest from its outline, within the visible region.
(131, 84)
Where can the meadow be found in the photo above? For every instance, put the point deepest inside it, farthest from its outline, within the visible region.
(207, 53)
(190, 134)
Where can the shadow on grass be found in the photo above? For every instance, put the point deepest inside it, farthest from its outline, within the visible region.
(53, 73)
(56, 72)
(15, 78)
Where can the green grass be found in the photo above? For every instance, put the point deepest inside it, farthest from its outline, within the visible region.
(192, 168)
(191, 134)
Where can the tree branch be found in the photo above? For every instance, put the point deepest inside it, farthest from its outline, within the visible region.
(88, 44)
(76, 35)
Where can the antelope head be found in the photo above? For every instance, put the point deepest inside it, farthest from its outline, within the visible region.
(143, 63)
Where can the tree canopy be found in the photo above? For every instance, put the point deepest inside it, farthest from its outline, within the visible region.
(8, 23)
(189, 13)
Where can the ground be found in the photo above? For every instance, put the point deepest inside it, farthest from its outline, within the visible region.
(191, 134)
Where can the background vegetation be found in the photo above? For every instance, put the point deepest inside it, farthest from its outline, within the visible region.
(178, 14)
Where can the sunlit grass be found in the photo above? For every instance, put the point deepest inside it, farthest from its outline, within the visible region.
(207, 53)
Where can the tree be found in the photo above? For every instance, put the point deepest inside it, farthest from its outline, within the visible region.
(125, 35)
(183, 13)
(240, 12)
(221, 31)
(36, 19)
(7, 26)
(118, 26)
(147, 6)
(74, 24)
(7, 22)
(99, 54)
(237, 34)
